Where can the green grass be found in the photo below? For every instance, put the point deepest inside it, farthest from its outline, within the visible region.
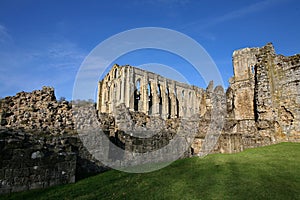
(271, 172)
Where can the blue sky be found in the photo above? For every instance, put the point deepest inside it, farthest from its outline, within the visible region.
(44, 42)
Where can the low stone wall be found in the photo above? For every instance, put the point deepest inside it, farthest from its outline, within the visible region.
(30, 162)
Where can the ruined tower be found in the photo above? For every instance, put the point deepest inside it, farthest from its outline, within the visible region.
(263, 100)
(243, 82)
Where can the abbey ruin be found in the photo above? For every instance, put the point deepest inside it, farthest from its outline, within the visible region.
(147, 92)
(40, 147)
(262, 99)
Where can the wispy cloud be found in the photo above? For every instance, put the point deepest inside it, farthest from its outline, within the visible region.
(256, 7)
(166, 3)
(91, 70)
(235, 14)
(4, 35)
(180, 2)
(53, 63)
(62, 55)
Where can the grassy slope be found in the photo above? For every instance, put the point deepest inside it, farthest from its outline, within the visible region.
(271, 172)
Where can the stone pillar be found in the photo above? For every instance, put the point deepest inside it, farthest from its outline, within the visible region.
(172, 95)
(130, 81)
(194, 103)
(189, 103)
(123, 86)
(103, 99)
(155, 97)
(108, 97)
(144, 94)
(116, 93)
(126, 87)
(182, 103)
(173, 105)
(112, 96)
(99, 96)
(164, 96)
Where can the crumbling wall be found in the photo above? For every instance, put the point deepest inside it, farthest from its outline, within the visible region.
(38, 110)
(137, 132)
(263, 100)
(30, 161)
(262, 105)
(39, 144)
(277, 95)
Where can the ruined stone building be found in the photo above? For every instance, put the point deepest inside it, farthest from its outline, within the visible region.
(147, 92)
(262, 99)
(142, 112)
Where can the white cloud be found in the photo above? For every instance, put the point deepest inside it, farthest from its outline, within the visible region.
(63, 55)
(243, 11)
(235, 14)
(4, 35)
(166, 3)
(88, 75)
(49, 63)
(180, 2)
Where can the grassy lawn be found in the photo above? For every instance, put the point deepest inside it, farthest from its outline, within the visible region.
(271, 172)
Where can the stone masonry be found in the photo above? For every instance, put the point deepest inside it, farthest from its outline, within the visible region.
(39, 146)
(30, 161)
(147, 92)
(263, 100)
(141, 112)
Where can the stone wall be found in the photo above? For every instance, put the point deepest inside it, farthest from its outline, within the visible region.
(277, 95)
(30, 161)
(38, 110)
(263, 100)
(140, 133)
(39, 145)
(261, 107)
(147, 92)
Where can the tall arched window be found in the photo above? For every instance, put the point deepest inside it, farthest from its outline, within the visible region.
(138, 85)
(149, 99)
(149, 89)
(159, 99)
(115, 92)
(177, 108)
(158, 90)
(137, 95)
(116, 73)
(169, 103)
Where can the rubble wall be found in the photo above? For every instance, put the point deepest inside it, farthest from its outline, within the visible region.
(262, 107)
(263, 100)
(31, 162)
(39, 144)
